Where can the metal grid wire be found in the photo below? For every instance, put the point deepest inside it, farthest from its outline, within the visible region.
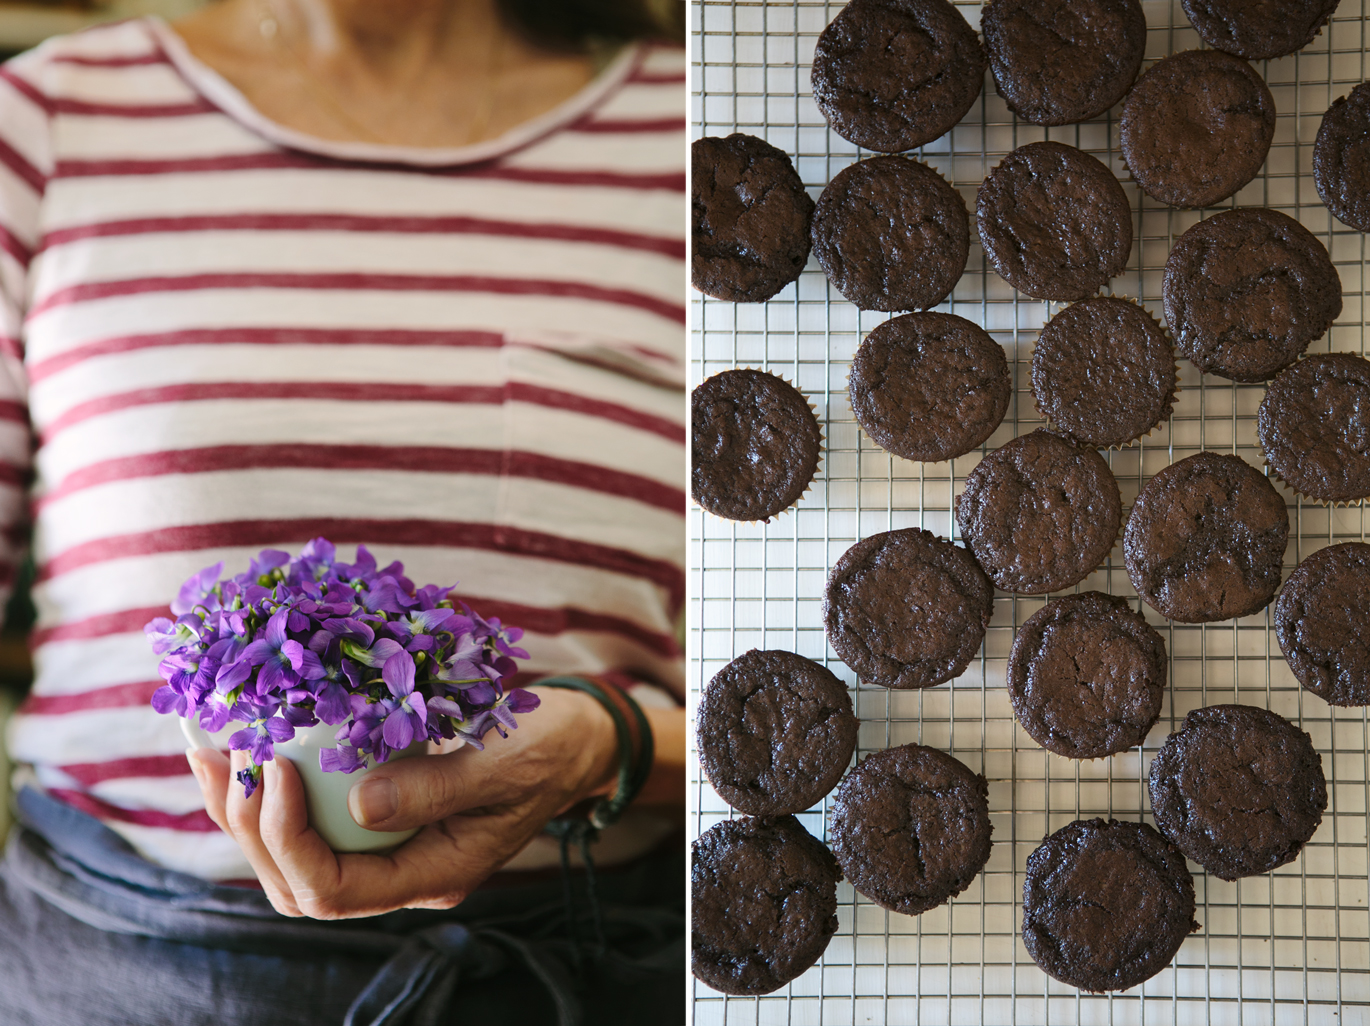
(1292, 946)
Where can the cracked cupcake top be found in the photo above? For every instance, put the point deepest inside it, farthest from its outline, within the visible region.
(1057, 62)
(929, 386)
(891, 234)
(750, 235)
(890, 75)
(1238, 789)
(907, 609)
(1086, 676)
(1314, 427)
(1205, 539)
(754, 444)
(910, 827)
(1040, 513)
(1246, 291)
(1322, 621)
(1196, 127)
(1340, 170)
(776, 732)
(1106, 904)
(1258, 31)
(764, 903)
(1054, 221)
(1103, 372)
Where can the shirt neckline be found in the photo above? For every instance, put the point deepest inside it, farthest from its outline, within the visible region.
(226, 97)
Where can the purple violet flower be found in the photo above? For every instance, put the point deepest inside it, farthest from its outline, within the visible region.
(416, 630)
(166, 635)
(343, 759)
(284, 662)
(475, 729)
(316, 560)
(351, 628)
(262, 565)
(481, 695)
(363, 569)
(167, 699)
(465, 663)
(263, 730)
(516, 701)
(214, 713)
(431, 594)
(340, 678)
(504, 637)
(385, 596)
(409, 718)
(292, 642)
(198, 589)
(376, 656)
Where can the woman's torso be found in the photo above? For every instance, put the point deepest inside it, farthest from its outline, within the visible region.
(224, 344)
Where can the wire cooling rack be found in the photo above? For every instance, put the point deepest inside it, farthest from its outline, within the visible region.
(1292, 946)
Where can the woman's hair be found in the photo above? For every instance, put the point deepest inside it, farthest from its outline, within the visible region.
(570, 24)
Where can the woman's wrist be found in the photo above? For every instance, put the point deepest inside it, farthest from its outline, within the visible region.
(666, 783)
(600, 751)
(604, 775)
(590, 729)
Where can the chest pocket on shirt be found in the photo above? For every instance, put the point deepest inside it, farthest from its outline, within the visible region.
(595, 444)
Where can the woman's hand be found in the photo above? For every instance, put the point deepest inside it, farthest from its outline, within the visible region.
(477, 810)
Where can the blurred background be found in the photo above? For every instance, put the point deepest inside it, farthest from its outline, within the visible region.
(27, 24)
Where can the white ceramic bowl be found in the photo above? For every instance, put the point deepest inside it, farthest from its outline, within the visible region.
(325, 793)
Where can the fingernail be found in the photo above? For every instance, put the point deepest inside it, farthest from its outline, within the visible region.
(193, 760)
(373, 801)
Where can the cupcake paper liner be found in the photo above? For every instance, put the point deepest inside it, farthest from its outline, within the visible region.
(1271, 472)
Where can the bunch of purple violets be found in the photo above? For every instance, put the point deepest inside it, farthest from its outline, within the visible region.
(291, 643)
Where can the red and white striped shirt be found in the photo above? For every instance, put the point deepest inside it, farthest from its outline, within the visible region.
(225, 336)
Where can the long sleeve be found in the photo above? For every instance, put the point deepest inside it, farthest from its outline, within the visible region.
(25, 167)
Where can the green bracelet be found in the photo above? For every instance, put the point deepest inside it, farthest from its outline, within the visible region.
(632, 775)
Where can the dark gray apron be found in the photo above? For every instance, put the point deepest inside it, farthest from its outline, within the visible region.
(92, 934)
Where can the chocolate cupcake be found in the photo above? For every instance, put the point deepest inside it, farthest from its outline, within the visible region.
(1040, 513)
(1054, 221)
(754, 444)
(751, 219)
(891, 234)
(1246, 291)
(1258, 31)
(929, 386)
(1206, 538)
(1322, 620)
(1103, 372)
(1086, 676)
(1057, 62)
(776, 732)
(1238, 789)
(907, 609)
(1314, 427)
(890, 75)
(1106, 905)
(910, 828)
(1341, 163)
(1196, 127)
(764, 904)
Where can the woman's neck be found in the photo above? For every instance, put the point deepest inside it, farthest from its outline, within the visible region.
(400, 72)
(391, 41)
